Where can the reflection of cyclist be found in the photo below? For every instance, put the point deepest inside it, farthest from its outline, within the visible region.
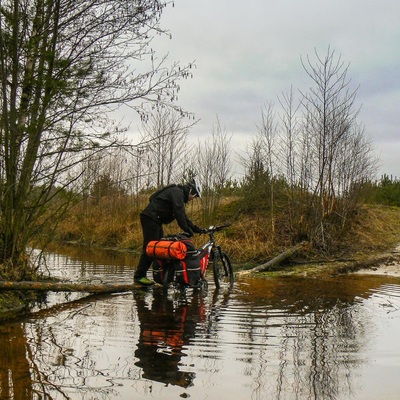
(165, 206)
(164, 330)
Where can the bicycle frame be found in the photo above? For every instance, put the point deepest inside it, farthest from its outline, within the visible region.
(210, 251)
(213, 252)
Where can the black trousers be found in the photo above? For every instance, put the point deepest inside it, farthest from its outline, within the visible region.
(152, 230)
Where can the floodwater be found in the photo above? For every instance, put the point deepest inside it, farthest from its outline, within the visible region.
(275, 338)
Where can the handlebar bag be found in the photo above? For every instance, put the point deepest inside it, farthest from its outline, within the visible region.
(166, 249)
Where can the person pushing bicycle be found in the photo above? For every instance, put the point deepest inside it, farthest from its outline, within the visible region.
(165, 205)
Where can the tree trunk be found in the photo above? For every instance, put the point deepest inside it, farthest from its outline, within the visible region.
(272, 264)
(68, 287)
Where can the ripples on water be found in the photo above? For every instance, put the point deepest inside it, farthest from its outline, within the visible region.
(266, 339)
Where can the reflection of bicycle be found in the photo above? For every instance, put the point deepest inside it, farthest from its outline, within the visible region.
(210, 252)
(166, 328)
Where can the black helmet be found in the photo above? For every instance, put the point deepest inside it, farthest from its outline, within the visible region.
(195, 187)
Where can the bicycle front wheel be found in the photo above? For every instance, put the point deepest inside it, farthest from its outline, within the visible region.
(222, 269)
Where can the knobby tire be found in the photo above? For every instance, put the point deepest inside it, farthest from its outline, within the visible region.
(222, 270)
(168, 277)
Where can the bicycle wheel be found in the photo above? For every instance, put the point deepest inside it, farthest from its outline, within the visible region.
(169, 272)
(222, 269)
(203, 285)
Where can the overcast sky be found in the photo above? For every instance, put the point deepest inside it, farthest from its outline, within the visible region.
(248, 52)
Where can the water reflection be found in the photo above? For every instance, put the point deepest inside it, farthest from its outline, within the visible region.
(166, 327)
(15, 373)
(267, 339)
(295, 343)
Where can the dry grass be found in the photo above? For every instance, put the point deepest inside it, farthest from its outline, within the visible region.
(375, 228)
(114, 223)
(108, 223)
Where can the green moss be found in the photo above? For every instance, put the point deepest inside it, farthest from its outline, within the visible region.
(14, 303)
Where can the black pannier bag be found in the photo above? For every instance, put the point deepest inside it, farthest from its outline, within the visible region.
(188, 270)
(159, 268)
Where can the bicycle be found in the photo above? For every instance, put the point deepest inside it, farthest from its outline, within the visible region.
(210, 252)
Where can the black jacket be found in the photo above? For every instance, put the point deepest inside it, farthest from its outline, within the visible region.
(167, 204)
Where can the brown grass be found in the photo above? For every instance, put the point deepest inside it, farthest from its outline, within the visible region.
(115, 223)
(375, 228)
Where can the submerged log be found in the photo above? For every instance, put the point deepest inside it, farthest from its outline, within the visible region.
(68, 287)
(274, 262)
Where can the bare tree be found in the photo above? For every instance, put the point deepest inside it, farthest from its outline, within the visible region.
(356, 164)
(211, 163)
(289, 137)
(289, 154)
(314, 162)
(165, 134)
(331, 136)
(64, 65)
(267, 131)
(329, 108)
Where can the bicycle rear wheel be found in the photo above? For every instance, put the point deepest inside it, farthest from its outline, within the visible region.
(222, 269)
(169, 272)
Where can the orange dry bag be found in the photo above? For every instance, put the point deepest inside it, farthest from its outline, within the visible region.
(166, 249)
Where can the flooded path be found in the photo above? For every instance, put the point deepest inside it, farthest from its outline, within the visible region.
(278, 338)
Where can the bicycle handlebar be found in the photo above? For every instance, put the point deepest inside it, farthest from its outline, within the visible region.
(210, 229)
(217, 228)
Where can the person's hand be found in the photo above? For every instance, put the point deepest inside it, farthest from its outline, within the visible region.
(196, 229)
(189, 233)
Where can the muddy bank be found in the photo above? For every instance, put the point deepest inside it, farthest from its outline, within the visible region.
(387, 264)
(379, 263)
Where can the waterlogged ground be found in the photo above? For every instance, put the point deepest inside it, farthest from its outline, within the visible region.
(268, 338)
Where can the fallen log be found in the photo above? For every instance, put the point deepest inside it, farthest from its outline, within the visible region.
(68, 287)
(274, 262)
